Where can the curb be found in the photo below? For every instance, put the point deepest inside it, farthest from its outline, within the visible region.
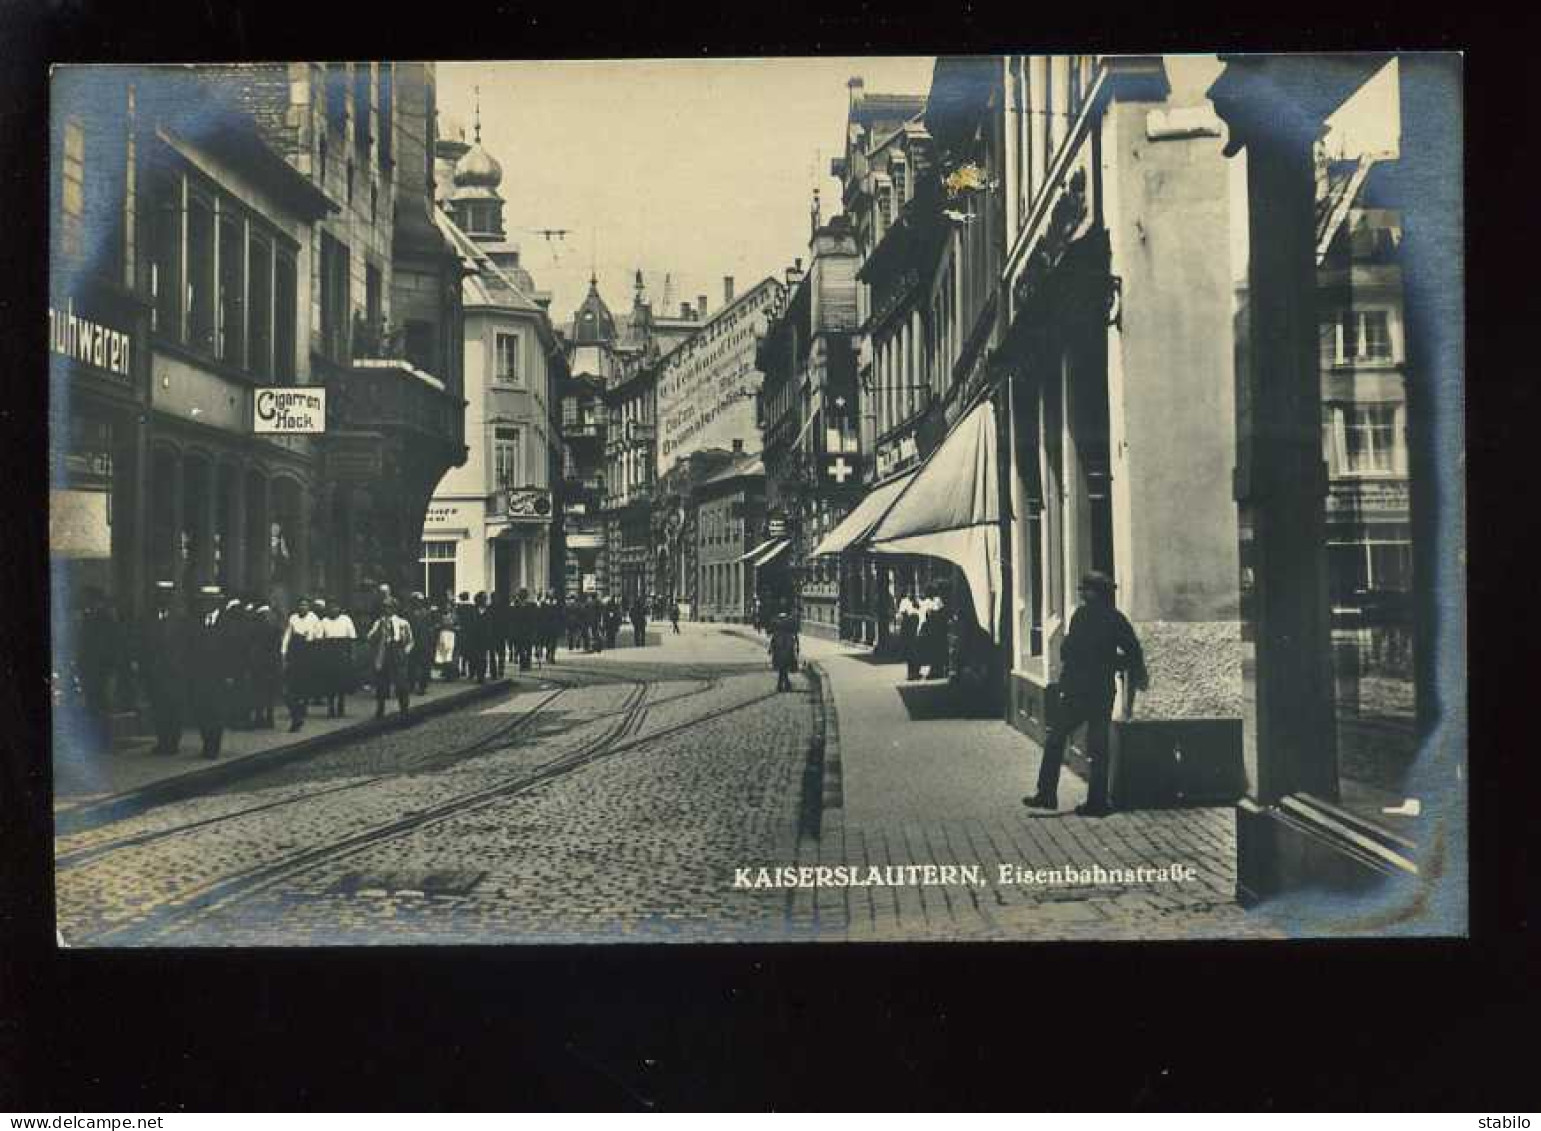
(94, 814)
(827, 738)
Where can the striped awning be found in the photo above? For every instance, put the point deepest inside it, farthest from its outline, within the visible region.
(852, 529)
(766, 551)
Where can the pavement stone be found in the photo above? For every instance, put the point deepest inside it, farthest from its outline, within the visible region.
(610, 798)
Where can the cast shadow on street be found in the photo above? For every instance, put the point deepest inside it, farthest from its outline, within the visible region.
(927, 702)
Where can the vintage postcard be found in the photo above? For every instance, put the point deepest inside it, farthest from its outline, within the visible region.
(1002, 497)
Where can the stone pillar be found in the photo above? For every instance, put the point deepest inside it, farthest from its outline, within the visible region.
(260, 518)
(235, 537)
(300, 544)
(1434, 319)
(1281, 482)
(178, 492)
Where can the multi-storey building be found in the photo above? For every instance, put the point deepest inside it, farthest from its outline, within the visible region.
(730, 524)
(490, 524)
(809, 413)
(1306, 819)
(383, 296)
(593, 363)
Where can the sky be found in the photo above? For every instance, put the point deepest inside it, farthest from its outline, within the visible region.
(699, 168)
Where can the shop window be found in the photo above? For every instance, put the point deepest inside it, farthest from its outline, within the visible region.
(200, 273)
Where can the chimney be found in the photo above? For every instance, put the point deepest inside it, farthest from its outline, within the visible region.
(701, 306)
(858, 89)
(738, 445)
(727, 290)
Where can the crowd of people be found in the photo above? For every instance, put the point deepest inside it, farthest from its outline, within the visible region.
(221, 661)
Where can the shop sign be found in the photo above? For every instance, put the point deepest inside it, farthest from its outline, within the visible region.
(591, 583)
(528, 502)
(291, 412)
(90, 343)
(896, 454)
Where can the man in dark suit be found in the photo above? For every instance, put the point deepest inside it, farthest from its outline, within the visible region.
(162, 662)
(523, 628)
(479, 627)
(1101, 641)
(209, 668)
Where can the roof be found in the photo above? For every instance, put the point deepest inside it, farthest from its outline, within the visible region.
(1345, 180)
(488, 284)
(745, 466)
(593, 324)
(887, 107)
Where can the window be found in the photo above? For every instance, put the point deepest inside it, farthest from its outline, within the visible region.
(422, 345)
(387, 111)
(438, 568)
(1369, 438)
(166, 258)
(232, 288)
(333, 285)
(259, 333)
(1356, 335)
(373, 310)
(897, 168)
(337, 98)
(506, 465)
(200, 273)
(363, 76)
(506, 368)
(73, 188)
(285, 313)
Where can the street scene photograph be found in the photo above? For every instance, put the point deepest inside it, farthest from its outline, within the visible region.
(997, 497)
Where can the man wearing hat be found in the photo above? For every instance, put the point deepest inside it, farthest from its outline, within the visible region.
(162, 649)
(1100, 643)
(209, 668)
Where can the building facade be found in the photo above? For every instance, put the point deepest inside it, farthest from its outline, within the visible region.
(384, 310)
(809, 410)
(730, 524)
(490, 526)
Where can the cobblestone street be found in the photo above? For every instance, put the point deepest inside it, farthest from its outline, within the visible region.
(612, 798)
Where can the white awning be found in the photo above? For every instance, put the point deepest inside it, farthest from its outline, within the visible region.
(765, 551)
(951, 510)
(864, 516)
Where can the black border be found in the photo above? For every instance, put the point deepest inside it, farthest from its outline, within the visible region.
(1390, 1025)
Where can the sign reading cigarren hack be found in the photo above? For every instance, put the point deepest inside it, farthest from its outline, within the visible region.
(290, 411)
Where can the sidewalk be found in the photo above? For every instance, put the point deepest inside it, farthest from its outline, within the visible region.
(909, 782)
(85, 780)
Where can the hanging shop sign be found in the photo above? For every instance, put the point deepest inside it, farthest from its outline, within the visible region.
(290, 412)
(528, 502)
(90, 343)
(896, 454)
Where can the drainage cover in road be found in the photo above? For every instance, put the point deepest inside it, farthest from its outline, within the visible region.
(440, 881)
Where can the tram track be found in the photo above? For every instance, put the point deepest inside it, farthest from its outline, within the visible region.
(501, 738)
(621, 737)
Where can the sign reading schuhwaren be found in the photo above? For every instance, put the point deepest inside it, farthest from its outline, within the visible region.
(290, 411)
